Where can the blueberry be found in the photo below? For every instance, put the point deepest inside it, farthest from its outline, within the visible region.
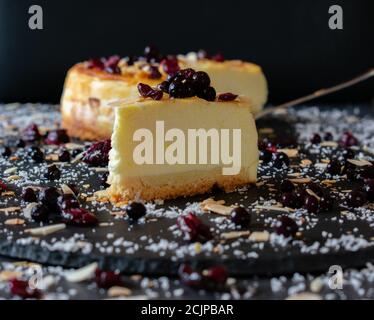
(136, 210)
(240, 216)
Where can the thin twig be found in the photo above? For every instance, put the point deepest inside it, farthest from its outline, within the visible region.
(318, 93)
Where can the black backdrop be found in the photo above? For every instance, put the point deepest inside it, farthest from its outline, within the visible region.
(290, 39)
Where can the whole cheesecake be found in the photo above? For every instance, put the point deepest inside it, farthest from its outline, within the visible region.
(90, 87)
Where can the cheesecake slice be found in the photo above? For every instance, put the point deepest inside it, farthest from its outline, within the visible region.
(180, 147)
(89, 88)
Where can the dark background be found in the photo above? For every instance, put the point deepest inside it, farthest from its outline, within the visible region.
(290, 39)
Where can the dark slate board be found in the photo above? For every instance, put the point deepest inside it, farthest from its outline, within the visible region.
(272, 259)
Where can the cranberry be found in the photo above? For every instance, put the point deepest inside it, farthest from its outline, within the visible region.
(280, 159)
(348, 153)
(286, 226)
(3, 186)
(213, 278)
(334, 167)
(227, 96)
(68, 201)
(216, 274)
(208, 94)
(95, 64)
(356, 198)
(240, 216)
(35, 154)
(146, 91)
(369, 188)
(170, 65)
(154, 73)
(40, 213)
(64, 156)
(326, 203)
(316, 139)
(5, 152)
(348, 139)
(29, 195)
(190, 277)
(300, 195)
(48, 197)
(136, 210)
(106, 279)
(113, 70)
(31, 133)
(97, 154)
(218, 57)
(22, 289)
(164, 86)
(152, 53)
(202, 54)
(156, 94)
(287, 186)
(193, 228)
(53, 173)
(311, 204)
(328, 136)
(200, 80)
(79, 217)
(288, 199)
(112, 61)
(266, 156)
(20, 143)
(57, 137)
(316, 189)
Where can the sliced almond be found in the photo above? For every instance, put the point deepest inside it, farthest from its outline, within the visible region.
(259, 236)
(14, 158)
(13, 178)
(43, 231)
(52, 157)
(14, 222)
(234, 234)
(66, 189)
(82, 274)
(305, 163)
(312, 193)
(101, 169)
(294, 174)
(10, 170)
(10, 209)
(331, 144)
(291, 153)
(218, 208)
(301, 180)
(73, 146)
(7, 275)
(328, 182)
(119, 292)
(274, 208)
(304, 296)
(28, 209)
(266, 130)
(101, 194)
(8, 194)
(118, 213)
(360, 163)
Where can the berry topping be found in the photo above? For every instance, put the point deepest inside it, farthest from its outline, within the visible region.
(181, 89)
(280, 159)
(22, 289)
(154, 73)
(164, 86)
(200, 80)
(326, 203)
(348, 140)
(240, 217)
(5, 151)
(170, 65)
(34, 153)
(95, 64)
(356, 198)
(79, 217)
(97, 155)
(369, 188)
(53, 173)
(227, 96)
(147, 91)
(57, 137)
(311, 204)
(31, 133)
(334, 167)
(289, 200)
(287, 186)
(218, 57)
(136, 210)
(348, 153)
(316, 139)
(193, 228)
(64, 156)
(266, 156)
(107, 279)
(48, 197)
(286, 226)
(3, 186)
(40, 213)
(29, 195)
(208, 94)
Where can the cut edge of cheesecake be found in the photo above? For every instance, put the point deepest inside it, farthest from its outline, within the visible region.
(129, 182)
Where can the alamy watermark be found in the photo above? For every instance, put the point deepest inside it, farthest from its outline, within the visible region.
(336, 18)
(36, 18)
(336, 279)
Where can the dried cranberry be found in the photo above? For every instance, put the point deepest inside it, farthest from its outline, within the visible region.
(3, 186)
(334, 167)
(170, 65)
(156, 94)
(154, 73)
(22, 289)
(5, 151)
(106, 279)
(31, 133)
(29, 195)
(35, 154)
(286, 226)
(218, 57)
(316, 139)
(326, 203)
(287, 186)
(227, 96)
(280, 159)
(369, 188)
(208, 94)
(348, 139)
(95, 63)
(97, 154)
(217, 275)
(136, 210)
(266, 156)
(57, 137)
(53, 173)
(68, 201)
(40, 213)
(112, 61)
(64, 156)
(288, 199)
(356, 198)
(240, 216)
(311, 204)
(193, 228)
(48, 197)
(79, 217)
(144, 89)
(190, 277)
